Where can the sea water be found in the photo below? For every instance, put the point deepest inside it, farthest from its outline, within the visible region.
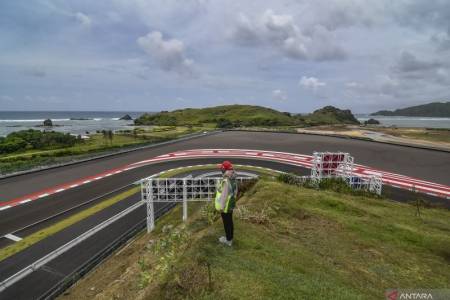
(423, 122)
(76, 122)
(109, 120)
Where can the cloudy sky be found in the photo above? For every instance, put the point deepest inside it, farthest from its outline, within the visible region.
(160, 55)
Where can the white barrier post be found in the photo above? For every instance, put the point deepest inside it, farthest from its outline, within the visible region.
(150, 207)
(185, 208)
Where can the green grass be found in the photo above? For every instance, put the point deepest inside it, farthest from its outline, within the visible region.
(308, 244)
(48, 231)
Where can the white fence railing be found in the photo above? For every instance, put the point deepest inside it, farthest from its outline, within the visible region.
(340, 165)
(181, 190)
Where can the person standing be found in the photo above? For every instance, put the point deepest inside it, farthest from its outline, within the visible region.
(225, 200)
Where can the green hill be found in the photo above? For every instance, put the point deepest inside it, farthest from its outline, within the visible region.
(245, 115)
(331, 115)
(435, 109)
(225, 116)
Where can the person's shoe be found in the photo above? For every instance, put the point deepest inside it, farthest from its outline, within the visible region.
(224, 240)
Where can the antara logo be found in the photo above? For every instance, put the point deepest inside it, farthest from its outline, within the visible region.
(392, 295)
(396, 295)
(415, 296)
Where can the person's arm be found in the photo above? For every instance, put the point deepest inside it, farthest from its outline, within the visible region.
(224, 195)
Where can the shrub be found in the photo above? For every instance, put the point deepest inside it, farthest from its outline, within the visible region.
(36, 139)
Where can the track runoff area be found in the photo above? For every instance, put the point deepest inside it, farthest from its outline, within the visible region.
(301, 160)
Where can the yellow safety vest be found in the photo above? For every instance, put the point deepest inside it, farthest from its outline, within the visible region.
(231, 198)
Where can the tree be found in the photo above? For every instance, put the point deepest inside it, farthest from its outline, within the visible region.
(224, 123)
(110, 135)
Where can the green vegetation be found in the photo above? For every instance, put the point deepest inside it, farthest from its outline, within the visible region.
(36, 140)
(48, 231)
(230, 116)
(53, 153)
(290, 243)
(330, 115)
(222, 116)
(435, 109)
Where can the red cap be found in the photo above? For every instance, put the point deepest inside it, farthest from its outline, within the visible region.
(226, 165)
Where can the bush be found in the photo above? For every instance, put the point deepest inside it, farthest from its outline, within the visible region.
(13, 144)
(224, 123)
(36, 139)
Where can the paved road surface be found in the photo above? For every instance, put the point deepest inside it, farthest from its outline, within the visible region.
(420, 163)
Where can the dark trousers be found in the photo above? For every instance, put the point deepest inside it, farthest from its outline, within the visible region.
(227, 219)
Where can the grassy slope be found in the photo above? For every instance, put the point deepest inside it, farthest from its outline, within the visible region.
(290, 243)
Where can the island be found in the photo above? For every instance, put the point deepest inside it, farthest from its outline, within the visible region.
(434, 109)
(48, 123)
(372, 122)
(126, 117)
(229, 116)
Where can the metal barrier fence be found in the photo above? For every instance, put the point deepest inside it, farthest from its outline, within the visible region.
(331, 165)
(340, 165)
(178, 190)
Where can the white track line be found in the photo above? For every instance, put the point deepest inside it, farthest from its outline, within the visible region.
(12, 237)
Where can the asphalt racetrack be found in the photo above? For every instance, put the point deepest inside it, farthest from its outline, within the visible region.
(420, 163)
(424, 164)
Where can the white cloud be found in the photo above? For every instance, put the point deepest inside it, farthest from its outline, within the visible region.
(281, 32)
(84, 20)
(279, 95)
(169, 53)
(311, 82)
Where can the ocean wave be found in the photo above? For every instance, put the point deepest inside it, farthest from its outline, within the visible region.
(434, 119)
(33, 120)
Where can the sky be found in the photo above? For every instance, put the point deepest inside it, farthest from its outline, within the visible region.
(296, 56)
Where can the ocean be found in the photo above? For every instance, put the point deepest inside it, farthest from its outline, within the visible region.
(76, 122)
(109, 120)
(423, 122)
